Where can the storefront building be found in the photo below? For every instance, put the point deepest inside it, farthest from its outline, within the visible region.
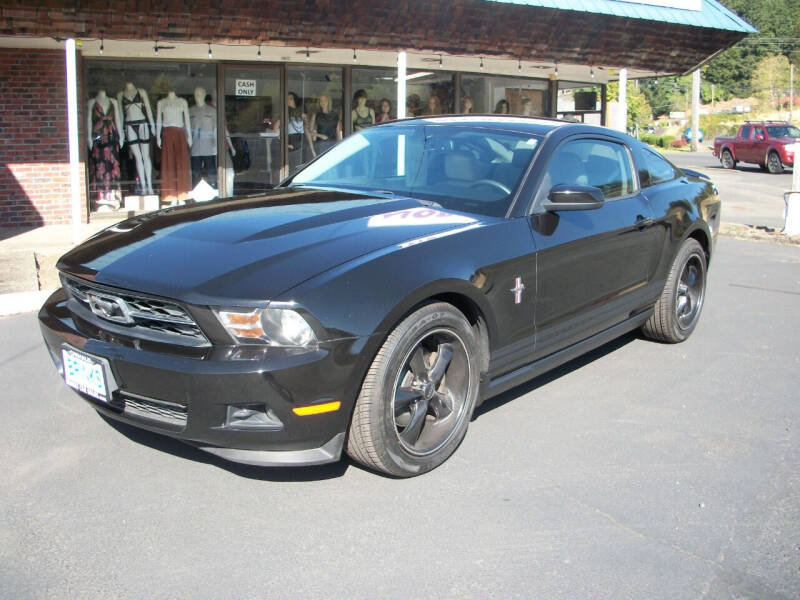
(197, 100)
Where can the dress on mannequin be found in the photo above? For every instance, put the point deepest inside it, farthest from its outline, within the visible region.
(172, 123)
(105, 141)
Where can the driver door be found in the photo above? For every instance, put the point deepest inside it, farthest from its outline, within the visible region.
(592, 264)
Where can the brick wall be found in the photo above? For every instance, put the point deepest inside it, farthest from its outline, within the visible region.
(34, 159)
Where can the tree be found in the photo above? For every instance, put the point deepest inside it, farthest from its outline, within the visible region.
(770, 79)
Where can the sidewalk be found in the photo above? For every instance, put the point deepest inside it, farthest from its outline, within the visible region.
(28, 258)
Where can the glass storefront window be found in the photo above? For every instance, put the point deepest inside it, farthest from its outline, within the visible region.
(503, 95)
(429, 93)
(253, 110)
(139, 128)
(315, 102)
(580, 102)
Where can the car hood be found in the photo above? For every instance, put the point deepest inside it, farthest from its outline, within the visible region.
(245, 251)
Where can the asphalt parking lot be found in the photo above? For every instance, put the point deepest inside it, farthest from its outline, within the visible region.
(750, 196)
(640, 471)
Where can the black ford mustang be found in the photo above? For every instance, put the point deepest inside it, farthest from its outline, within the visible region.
(371, 301)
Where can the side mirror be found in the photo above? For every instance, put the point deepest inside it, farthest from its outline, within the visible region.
(574, 197)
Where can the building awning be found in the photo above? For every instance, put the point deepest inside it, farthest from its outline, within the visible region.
(696, 13)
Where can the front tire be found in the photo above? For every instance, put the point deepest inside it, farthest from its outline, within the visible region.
(677, 310)
(418, 395)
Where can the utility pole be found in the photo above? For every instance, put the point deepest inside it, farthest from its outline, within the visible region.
(695, 108)
(712, 98)
(791, 92)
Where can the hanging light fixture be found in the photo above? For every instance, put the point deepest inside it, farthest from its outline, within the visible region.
(355, 58)
(481, 63)
(519, 65)
(209, 50)
(259, 51)
(155, 47)
(591, 72)
(440, 61)
(101, 45)
(556, 73)
(308, 53)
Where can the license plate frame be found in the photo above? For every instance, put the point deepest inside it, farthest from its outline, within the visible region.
(88, 374)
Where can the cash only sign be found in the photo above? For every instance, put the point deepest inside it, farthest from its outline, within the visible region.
(245, 87)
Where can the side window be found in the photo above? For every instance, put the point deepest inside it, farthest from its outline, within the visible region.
(597, 163)
(746, 132)
(656, 169)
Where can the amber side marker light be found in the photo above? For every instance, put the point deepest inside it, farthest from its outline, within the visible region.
(316, 409)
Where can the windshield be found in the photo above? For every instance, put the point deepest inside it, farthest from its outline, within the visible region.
(460, 168)
(776, 131)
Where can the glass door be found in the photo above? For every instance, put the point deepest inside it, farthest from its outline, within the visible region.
(251, 145)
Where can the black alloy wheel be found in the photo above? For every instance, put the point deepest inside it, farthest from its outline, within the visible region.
(727, 160)
(430, 392)
(418, 395)
(691, 293)
(774, 164)
(677, 310)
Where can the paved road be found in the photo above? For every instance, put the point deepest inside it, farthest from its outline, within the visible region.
(749, 195)
(642, 471)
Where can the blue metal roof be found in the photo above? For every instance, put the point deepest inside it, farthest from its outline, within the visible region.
(712, 14)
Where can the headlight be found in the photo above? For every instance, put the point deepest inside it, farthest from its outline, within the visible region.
(273, 326)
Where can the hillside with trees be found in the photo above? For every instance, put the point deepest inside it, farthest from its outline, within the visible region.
(757, 68)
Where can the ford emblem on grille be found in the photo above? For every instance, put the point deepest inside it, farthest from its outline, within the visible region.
(109, 307)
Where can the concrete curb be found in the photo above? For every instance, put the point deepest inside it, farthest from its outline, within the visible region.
(22, 302)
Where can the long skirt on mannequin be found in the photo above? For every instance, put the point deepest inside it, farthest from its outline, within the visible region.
(176, 178)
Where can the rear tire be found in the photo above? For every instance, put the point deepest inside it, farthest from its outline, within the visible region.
(677, 310)
(774, 164)
(418, 395)
(727, 160)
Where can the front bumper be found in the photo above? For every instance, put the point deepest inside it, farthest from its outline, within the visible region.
(185, 393)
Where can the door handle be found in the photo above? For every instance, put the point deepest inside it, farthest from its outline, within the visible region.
(644, 222)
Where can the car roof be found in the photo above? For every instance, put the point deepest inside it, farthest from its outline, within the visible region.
(532, 125)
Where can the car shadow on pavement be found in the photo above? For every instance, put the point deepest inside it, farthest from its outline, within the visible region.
(565, 369)
(172, 446)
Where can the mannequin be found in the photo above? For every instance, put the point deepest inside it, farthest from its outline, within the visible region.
(363, 116)
(174, 137)
(138, 120)
(526, 107)
(104, 128)
(434, 106)
(385, 114)
(326, 125)
(299, 133)
(203, 118)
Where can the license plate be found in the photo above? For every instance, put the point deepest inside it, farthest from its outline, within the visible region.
(85, 373)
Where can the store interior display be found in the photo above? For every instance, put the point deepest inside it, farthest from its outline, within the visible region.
(104, 128)
(155, 136)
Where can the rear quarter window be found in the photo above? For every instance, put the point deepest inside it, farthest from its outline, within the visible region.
(655, 169)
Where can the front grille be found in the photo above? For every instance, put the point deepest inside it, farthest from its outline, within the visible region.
(136, 314)
(166, 413)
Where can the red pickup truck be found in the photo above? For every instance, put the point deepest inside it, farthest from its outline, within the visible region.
(769, 144)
